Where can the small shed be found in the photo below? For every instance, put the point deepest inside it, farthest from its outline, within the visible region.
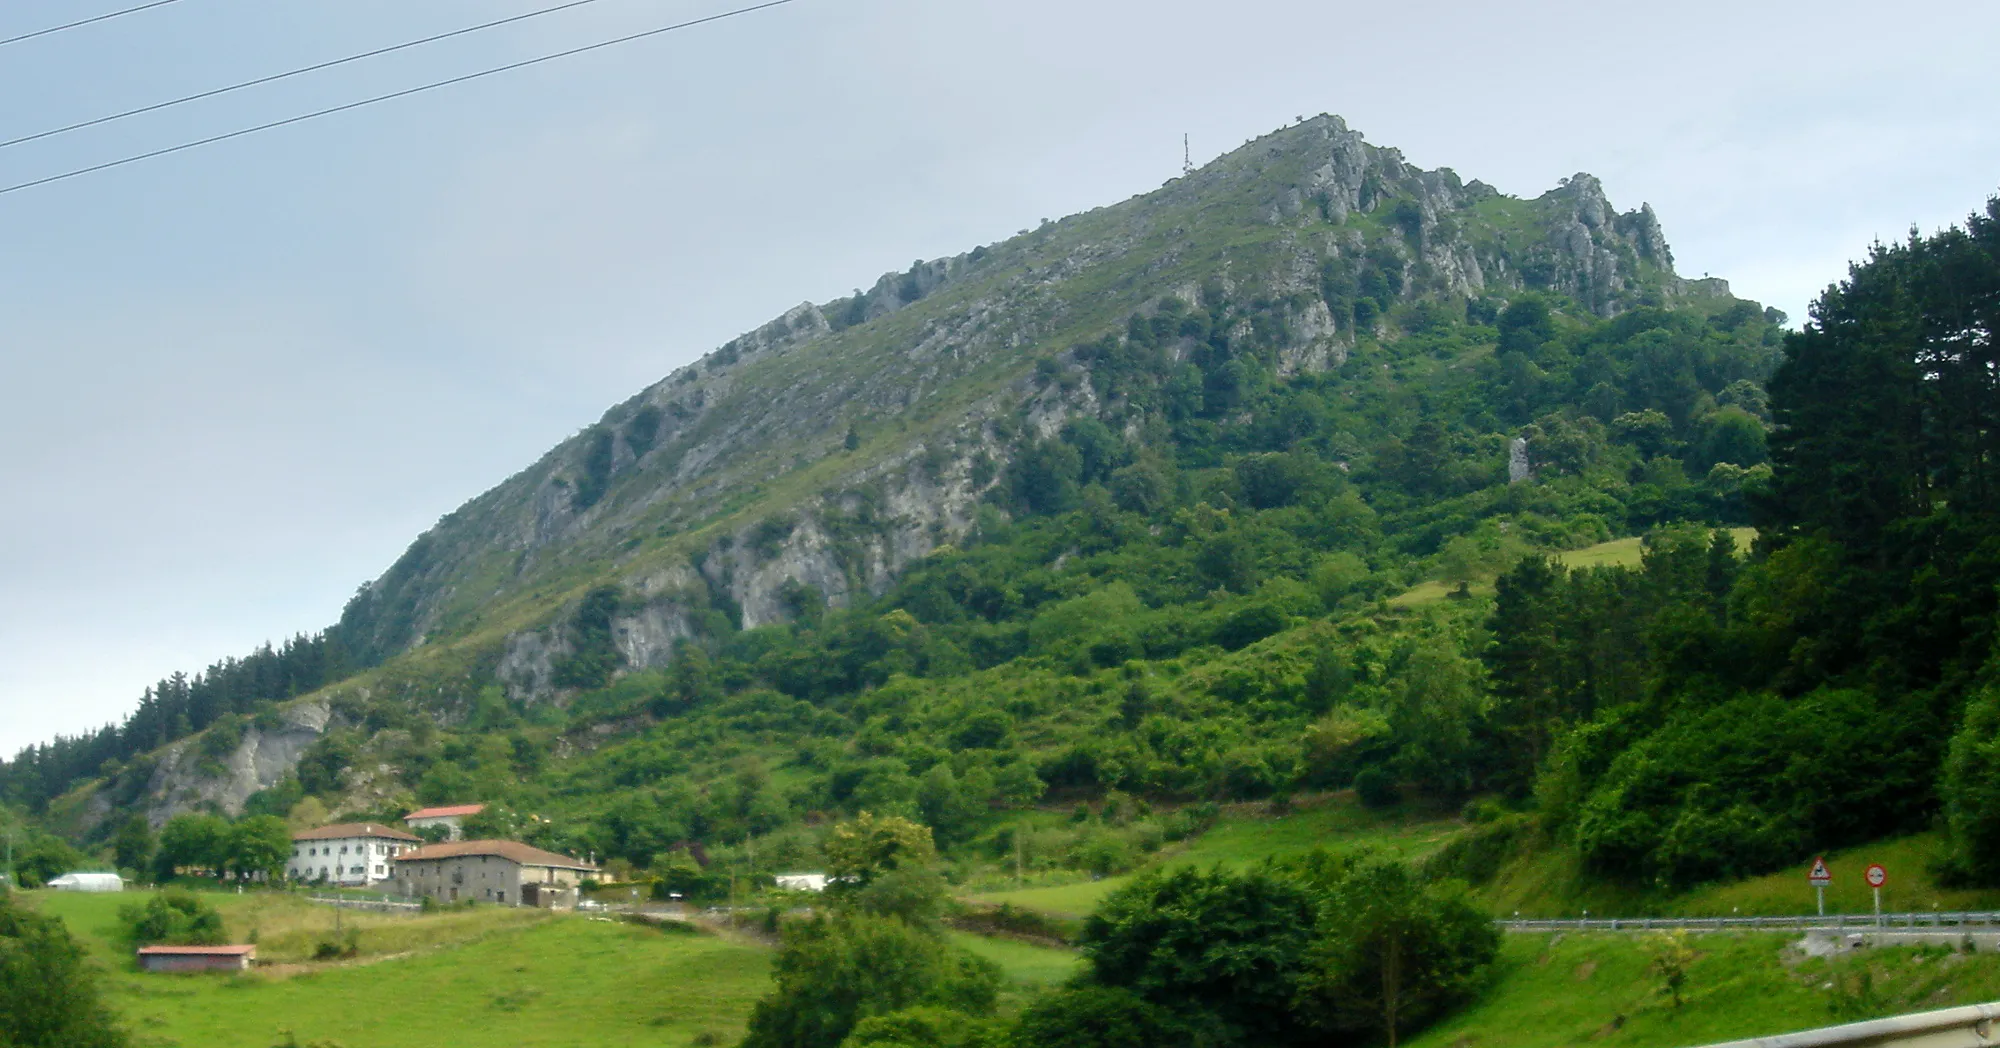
(197, 958)
(88, 882)
(802, 882)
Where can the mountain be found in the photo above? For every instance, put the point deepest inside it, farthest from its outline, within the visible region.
(1167, 439)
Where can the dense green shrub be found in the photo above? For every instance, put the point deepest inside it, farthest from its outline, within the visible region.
(1970, 789)
(1088, 1016)
(1235, 943)
(1394, 954)
(925, 1026)
(173, 916)
(832, 973)
(1756, 783)
(48, 990)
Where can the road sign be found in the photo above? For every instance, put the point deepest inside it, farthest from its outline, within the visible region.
(1876, 875)
(1820, 876)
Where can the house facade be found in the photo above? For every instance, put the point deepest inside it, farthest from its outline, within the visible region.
(452, 818)
(506, 873)
(350, 854)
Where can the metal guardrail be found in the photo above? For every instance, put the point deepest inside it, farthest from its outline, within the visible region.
(1933, 919)
(1969, 1025)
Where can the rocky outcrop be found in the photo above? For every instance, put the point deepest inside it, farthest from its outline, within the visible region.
(185, 780)
(527, 668)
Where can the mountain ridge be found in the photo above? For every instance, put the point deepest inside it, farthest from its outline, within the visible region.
(812, 461)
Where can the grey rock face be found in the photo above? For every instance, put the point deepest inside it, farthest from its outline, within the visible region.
(527, 668)
(260, 761)
(1518, 468)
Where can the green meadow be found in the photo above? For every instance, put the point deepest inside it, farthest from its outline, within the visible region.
(1552, 991)
(504, 978)
(1243, 839)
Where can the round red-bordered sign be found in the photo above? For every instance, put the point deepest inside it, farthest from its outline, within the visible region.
(1876, 875)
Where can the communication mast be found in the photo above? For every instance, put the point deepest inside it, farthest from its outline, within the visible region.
(1187, 158)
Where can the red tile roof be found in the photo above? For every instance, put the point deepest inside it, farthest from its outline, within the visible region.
(526, 855)
(455, 809)
(353, 829)
(201, 951)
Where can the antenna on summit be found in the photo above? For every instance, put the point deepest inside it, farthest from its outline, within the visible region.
(1187, 158)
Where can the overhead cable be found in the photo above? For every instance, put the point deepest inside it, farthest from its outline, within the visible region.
(52, 30)
(288, 74)
(404, 93)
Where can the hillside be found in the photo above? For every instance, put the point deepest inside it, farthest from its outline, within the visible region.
(1104, 513)
(523, 978)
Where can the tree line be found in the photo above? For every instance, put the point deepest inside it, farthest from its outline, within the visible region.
(176, 707)
(1703, 717)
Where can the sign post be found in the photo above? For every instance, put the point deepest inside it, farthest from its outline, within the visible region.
(1876, 878)
(1820, 877)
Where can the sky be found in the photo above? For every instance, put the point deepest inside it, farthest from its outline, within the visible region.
(235, 382)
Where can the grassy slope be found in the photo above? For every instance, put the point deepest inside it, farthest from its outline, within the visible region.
(1026, 966)
(1240, 840)
(1618, 553)
(1550, 991)
(1548, 884)
(505, 979)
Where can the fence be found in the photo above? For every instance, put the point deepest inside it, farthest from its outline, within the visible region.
(382, 905)
(1935, 919)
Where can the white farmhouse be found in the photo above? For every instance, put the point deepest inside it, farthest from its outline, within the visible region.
(452, 818)
(354, 854)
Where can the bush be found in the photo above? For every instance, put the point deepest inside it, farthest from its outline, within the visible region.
(1107, 1017)
(1249, 625)
(1377, 788)
(1395, 955)
(924, 1027)
(1235, 943)
(1971, 791)
(174, 916)
(48, 992)
(1756, 783)
(831, 974)
(348, 945)
(1476, 854)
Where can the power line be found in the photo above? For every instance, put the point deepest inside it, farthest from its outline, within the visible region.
(86, 21)
(288, 74)
(404, 93)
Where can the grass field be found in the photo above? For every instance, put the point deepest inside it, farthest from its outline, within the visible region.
(1025, 965)
(1618, 553)
(1242, 840)
(1551, 991)
(514, 978)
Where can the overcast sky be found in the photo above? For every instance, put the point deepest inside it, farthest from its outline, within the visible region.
(236, 382)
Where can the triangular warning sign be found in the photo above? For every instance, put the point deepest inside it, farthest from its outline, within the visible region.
(1819, 871)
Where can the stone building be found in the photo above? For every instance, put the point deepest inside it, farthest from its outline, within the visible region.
(505, 872)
